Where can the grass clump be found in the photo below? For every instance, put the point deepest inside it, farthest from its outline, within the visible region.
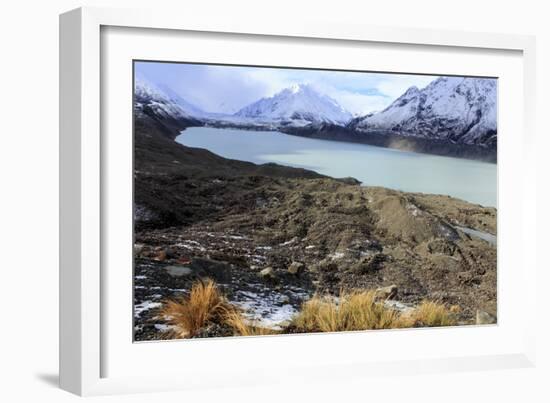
(244, 327)
(354, 311)
(188, 315)
(364, 311)
(429, 314)
(204, 306)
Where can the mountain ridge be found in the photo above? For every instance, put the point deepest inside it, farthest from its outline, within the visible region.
(299, 102)
(457, 109)
(451, 116)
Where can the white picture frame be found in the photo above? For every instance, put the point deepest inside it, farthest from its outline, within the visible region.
(85, 346)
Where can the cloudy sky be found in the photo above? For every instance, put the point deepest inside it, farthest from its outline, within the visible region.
(226, 89)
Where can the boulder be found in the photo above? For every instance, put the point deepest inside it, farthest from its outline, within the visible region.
(268, 273)
(214, 269)
(296, 268)
(348, 180)
(284, 300)
(328, 273)
(160, 256)
(138, 249)
(388, 292)
(370, 264)
(178, 271)
(170, 254)
(442, 246)
(485, 318)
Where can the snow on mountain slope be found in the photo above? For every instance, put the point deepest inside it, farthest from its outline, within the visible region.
(187, 106)
(300, 105)
(463, 110)
(163, 102)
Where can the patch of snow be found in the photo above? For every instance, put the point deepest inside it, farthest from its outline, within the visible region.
(236, 237)
(413, 209)
(191, 245)
(178, 290)
(288, 242)
(163, 328)
(336, 255)
(145, 306)
(492, 239)
(398, 306)
(265, 310)
(257, 258)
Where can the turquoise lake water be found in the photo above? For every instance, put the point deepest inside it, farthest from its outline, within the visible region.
(469, 180)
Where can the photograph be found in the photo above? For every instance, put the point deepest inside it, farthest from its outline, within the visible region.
(276, 200)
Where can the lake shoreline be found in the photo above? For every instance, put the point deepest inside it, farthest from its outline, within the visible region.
(402, 170)
(379, 138)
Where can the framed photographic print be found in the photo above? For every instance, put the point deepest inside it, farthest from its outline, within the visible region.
(279, 210)
(255, 195)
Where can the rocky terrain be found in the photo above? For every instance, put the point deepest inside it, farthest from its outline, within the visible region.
(273, 236)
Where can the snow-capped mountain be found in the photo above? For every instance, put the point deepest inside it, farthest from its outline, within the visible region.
(163, 103)
(462, 110)
(187, 106)
(299, 105)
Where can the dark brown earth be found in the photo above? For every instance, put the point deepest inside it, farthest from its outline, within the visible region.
(230, 220)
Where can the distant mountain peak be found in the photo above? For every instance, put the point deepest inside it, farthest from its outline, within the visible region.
(300, 104)
(163, 101)
(295, 88)
(411, 91)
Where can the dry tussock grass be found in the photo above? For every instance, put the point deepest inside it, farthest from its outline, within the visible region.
(188, 315)
(206, 305)
(243, 327)
(354, 311)
(429, 314)
(363, 311)
(357, 310)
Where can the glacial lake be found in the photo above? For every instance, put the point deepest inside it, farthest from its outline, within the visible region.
(469, 180)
